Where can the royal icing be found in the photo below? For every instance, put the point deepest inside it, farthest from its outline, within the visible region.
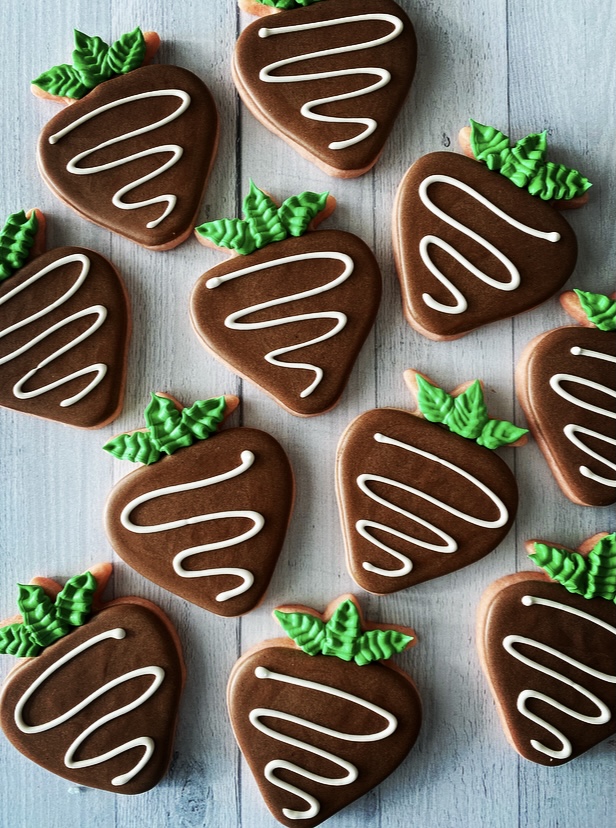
(99, 369)
(382, 75)
(510, 642)
(350, 771)
(572, 430)
(175, 150)
(247, 459)
(450, 544)
(157, 675)
(514, 274)
(338, 317)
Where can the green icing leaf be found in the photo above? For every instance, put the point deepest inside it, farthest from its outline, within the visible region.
(204, 416)
(434, 403)
(15, 640)
(297, 212)
(568, 568)
(377, 645)
(39, 615)
(342, 632)
(63, 80)
(555, 181)
(489, 145)
(257, 204)
(90, 59)
(600, 309)
(262, 218)
(164, 422)
(138, 447)
(233, 234)
(287, 4)
(127, 53)
(469, 413)
(525, 159)
(601, 564)
(305, 629)
(497, 433)
(73, 604)
(16, 241)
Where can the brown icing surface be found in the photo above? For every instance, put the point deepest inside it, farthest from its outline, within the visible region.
(244, 351)
(148, 642)
(195, 131)
(375, 760)
(359, 453)
(577, 638)
(278, 105)
(544, 266)
(266, 487)
(107, 345)
(548, 413)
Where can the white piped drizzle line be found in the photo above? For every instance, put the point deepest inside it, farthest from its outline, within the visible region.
(100, 311)
(175, 150)
(307, 109)
(604, 716)
(514, 274)
(572, 430)
(450, 544)
(247, 460)
(340, 318)
(350, 771)
(157, 674)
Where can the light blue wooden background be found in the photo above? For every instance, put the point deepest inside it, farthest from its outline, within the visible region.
(522, 66)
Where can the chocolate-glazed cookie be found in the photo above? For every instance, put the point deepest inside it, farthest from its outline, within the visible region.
(417, 500)
(473, 246)
(566, 383)
(209, 521)
(550, 655)
(134, 154)
(329, 78)
(99, 705)
(320, 728)
(64, 329)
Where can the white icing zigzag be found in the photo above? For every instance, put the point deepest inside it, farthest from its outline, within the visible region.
(350, 771)
(100, 311)
(247, 460)
(383, 75)
(157, 674)
(510, 642)
(340, 319)
(175, 150)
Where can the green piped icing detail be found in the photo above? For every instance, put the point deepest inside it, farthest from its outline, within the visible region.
(168, 429)
(93, 63)
(285, 5)
(263, 222)
(599, 309)
(44, 620)
(466, 414)
(341, 636)
(593, 576)
(16, 241)
(526, 164)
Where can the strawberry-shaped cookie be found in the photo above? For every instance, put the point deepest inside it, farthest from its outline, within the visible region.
(134, 149)
(480, 239)
(566, 383)
(64, 328)
(547, 644)
(423, 494)
(319, 719)
(95, 699)
(328, 78)
(291, 311)
(207, 515)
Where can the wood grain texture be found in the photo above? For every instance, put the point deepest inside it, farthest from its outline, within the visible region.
(521, 66)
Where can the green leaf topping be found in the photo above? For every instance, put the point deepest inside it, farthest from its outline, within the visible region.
(600, 309)
(593, 576)
(16, 240)
(44, 620)
(264, 223)
(434, 403)
(168, 429)
(341, 636)
(93, 63)
(496, 433)
(525, 164)
(287, 4)
(469, 413)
